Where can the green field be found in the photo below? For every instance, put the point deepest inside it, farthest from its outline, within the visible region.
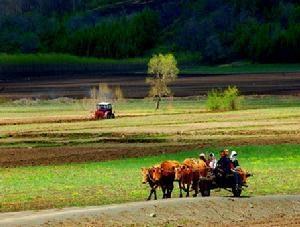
(50, 123)
(276, 171)
(265, 132)
(242, 68)
(27, 59)
(187, 64)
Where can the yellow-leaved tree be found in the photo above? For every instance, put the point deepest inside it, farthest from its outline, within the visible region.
(162, 70)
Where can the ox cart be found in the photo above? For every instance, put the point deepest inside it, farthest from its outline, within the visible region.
(220, 181)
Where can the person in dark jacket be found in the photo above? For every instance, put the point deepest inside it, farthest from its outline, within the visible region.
(224, 163)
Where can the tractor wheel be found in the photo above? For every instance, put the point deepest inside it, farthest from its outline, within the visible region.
(112, 116)
(108, 116)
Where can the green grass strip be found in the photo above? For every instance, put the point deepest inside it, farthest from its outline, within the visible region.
(276, 171)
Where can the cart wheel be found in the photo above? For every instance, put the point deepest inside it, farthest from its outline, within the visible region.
(205, 193)
(236, 192)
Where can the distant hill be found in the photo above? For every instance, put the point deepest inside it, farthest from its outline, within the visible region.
(214, 31)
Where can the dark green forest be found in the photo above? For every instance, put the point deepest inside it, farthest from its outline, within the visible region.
(218, 31)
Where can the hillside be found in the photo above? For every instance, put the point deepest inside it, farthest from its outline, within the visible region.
(207, 31)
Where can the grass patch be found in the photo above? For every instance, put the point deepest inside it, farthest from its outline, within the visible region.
(185, 61)
(27, 59)
(53, 107)
(241, 68)
(276, 171)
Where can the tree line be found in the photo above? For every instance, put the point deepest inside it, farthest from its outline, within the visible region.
(119, 37)
(219, 31)
(230, 30)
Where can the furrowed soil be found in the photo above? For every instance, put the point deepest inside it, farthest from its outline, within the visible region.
(54, 139)
(14, 157)
(214, 211)
(59, 155)
(134, 86)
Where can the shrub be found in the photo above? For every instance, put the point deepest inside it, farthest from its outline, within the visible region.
(4, 100)
(102, 93)
(118, 94)
(214, 100)
(63, 100)
(26, 102)
(228, 99)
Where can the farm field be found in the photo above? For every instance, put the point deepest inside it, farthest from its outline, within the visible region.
(49, 132)
(76, 85)
(52, 154)
(104, 103)
(98, 183)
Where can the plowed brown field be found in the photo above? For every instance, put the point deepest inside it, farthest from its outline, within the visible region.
(13, 157)
(135, 87)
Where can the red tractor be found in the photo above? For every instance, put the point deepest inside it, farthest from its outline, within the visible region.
(104, 111)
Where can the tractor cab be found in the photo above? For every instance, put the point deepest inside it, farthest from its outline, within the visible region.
(104, 106)
(104, 110)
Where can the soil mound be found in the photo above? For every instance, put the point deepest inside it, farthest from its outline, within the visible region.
(278, 210)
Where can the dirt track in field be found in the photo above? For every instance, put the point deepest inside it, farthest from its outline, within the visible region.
(13, 157)
(135, 87)
(214, 211)
(59, 119)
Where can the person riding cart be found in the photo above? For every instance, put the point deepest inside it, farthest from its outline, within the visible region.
(225, 168)
(227, 175)
(236, 168)
(212, 161)
(223, 165)
(202, 157)
(233, 159)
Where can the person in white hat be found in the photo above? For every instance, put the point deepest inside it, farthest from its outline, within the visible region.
(233, 159)
(212, 161)
(202, 157)
(237, 170)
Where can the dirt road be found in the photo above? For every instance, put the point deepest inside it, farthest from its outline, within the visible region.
(256, 211)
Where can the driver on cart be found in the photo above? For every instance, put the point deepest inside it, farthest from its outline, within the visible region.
(226, 167)
(223, 165)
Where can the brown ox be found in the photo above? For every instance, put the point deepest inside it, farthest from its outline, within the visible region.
(152, 177)
(167, 177)
(189, 173)
(244, 175)
(184, 175)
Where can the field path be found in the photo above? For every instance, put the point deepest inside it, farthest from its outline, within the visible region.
(279, 210)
